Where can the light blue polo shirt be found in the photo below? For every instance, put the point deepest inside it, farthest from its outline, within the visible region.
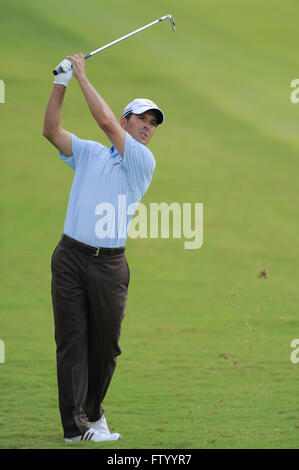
(104, 190)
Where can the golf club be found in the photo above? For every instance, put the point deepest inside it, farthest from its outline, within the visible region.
(59, 69)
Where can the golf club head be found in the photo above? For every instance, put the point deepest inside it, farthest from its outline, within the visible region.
(171, 20)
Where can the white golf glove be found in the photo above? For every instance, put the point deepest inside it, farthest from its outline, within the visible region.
(64, 77)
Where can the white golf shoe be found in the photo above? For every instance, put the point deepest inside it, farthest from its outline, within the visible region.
(101, 427)
(92, 435)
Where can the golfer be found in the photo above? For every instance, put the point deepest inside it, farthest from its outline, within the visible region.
(90, 274)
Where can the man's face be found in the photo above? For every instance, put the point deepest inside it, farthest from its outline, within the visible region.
(141, 126)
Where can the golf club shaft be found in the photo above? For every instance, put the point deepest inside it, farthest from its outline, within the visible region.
(122, 38)
(59, 69)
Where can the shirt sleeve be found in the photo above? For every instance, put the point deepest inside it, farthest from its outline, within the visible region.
(79, 150)
(139, 163)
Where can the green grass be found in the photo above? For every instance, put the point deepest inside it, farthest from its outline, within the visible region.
(206, 342)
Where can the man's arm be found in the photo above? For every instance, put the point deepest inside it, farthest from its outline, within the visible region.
(98, 107)
(52, 130)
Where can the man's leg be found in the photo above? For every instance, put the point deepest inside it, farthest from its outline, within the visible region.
(70, 308)
(107, 294)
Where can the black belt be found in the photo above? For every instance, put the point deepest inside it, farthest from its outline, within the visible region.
(90, 250)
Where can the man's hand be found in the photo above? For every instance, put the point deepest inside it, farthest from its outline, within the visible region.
(78, 65)
(64, 77)
(71, 65)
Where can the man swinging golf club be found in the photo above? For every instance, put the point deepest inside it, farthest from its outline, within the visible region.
(90, 274)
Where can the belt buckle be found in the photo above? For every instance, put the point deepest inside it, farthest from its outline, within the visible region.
(97, 252)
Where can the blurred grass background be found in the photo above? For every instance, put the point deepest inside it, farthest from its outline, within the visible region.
(206, 341)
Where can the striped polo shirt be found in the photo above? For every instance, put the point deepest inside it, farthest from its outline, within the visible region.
(106, 190)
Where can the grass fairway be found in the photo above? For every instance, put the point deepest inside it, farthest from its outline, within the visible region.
(205, 340)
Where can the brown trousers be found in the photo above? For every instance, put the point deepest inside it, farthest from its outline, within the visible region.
(89, 296)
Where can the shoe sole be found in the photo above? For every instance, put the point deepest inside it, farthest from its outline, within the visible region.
(78, 439)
